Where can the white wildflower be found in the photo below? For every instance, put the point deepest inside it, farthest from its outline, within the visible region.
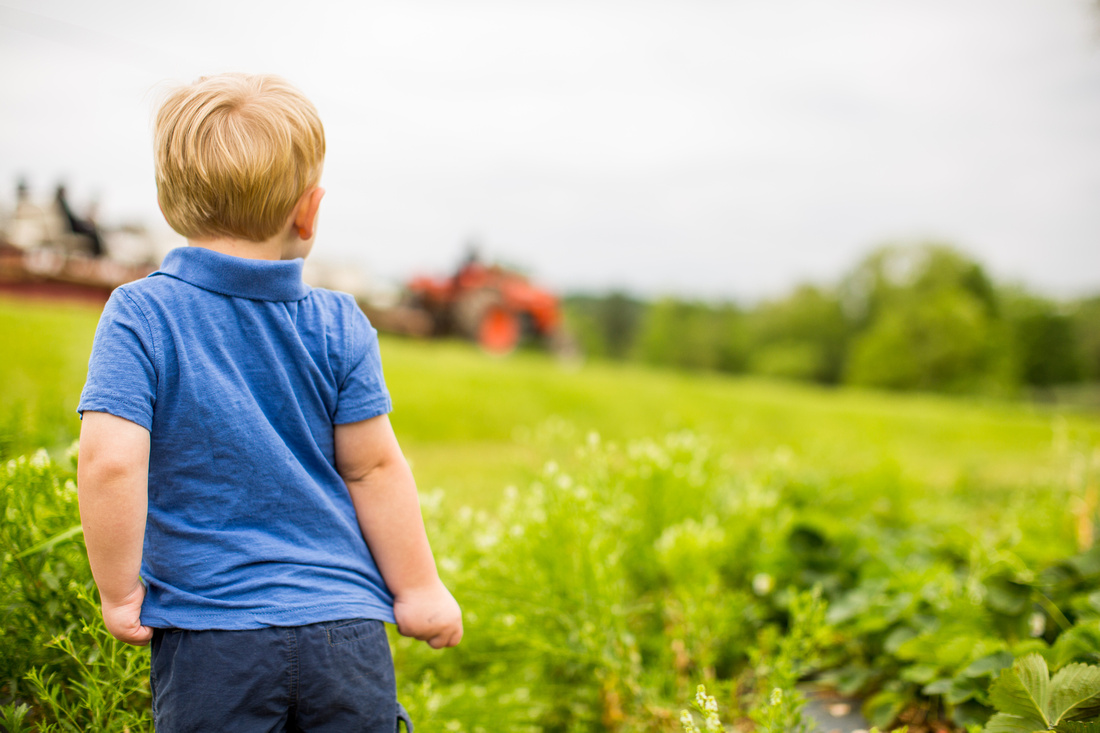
(701, 697)
(1037, 624)
(762, 584)
(687, 722)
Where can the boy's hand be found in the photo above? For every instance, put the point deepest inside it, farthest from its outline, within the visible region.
(430, 614)
(123, 618)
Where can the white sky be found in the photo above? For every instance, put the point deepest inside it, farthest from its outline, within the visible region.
(701, 147)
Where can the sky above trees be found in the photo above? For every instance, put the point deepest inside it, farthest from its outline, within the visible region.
(719, 149)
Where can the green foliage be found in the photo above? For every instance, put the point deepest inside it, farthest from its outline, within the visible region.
(1043, 339)
(1086, 327)
(782, 659)
(601, 589)
(42, 565)
(1028, 699)
(928, 320)
(942, 342)
(803, 336)
(55, 653)
(107, 691)
(896, 274)
(645, 566)
(919, 317)
(692, 336)
(605, 326)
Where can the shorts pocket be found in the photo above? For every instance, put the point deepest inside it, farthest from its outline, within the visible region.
(352, 630)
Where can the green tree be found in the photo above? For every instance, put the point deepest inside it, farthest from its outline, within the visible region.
(927, 319)
(605, 325)
(803, 336)
(895, 274)
(1086, 323)
(692, 335)
(1044, 341)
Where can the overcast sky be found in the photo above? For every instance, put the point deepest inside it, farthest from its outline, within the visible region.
(699, 147)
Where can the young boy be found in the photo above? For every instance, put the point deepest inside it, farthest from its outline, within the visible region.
(246, 506)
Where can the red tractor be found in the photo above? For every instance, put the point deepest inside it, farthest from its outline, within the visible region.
(496, 307)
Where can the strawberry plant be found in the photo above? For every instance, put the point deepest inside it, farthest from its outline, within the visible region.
(1028, 699)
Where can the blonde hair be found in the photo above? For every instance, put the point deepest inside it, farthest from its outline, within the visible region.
(233, 155)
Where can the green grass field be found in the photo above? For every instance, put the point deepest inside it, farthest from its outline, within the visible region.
(45, 347)
(471, 424)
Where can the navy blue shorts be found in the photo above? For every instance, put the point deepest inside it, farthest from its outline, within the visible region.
(335, 677)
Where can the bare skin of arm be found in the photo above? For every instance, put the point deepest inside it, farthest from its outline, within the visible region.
(112, 487)
(386, 504)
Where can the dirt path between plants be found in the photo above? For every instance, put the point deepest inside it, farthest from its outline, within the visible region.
(834, 714)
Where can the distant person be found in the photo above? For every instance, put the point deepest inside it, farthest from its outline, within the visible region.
(84, 227)
(246, 506)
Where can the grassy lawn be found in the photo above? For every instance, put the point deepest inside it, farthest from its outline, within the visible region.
(472, 424)
(45, 357)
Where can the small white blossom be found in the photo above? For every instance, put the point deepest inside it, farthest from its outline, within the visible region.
(687, 722)
(762, 584)
(1038, 624)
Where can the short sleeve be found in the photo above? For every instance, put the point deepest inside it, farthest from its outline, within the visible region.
(122, 375)
(363, 392)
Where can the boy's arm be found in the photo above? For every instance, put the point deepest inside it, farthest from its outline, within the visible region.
(388, 509)
(112, 486)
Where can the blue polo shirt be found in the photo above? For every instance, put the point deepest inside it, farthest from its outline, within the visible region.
(239, 371)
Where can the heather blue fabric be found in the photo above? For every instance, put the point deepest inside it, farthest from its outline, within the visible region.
(335, 677)
(240, 370)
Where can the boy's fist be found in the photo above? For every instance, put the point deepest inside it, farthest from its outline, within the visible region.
(123, 618)
(430, 614)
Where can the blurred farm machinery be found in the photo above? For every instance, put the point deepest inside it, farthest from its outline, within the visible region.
(47, 251)
(495, 307)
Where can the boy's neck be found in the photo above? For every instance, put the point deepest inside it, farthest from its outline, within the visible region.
(276, 248)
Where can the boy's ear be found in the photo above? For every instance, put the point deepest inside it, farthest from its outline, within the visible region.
(305, 214)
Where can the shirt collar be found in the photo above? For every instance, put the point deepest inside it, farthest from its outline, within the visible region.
(237, 277)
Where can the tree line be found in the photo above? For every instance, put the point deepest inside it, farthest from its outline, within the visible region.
(918, 317)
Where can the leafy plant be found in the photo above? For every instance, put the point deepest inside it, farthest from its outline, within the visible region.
(59, 668)
(1028, 699)
(782, 659)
